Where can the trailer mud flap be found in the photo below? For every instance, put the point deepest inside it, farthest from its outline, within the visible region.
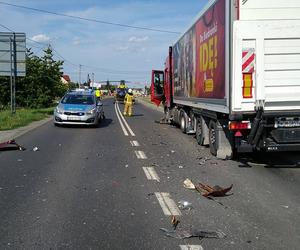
(224, 148)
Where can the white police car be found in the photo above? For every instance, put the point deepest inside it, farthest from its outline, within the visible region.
(79, 107)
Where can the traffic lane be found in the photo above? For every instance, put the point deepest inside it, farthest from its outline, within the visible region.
(262, 212)
(76, 192)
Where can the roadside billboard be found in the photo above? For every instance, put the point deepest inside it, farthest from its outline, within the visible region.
(199, 57)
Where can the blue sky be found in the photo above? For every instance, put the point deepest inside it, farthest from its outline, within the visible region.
(110, 52)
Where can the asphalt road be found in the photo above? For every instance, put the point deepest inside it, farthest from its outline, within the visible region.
(97, 188)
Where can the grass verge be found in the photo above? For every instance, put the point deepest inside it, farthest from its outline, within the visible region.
(22, 117)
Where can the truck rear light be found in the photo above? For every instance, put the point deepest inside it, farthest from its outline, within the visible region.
(247, 85)
(239, 125)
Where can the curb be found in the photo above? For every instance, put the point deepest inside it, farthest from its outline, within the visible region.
(7, 135)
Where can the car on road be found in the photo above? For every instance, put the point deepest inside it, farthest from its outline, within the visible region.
(79, 107)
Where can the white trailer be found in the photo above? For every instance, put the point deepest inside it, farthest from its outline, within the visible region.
(243, 95)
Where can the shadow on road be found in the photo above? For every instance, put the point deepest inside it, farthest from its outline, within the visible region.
(270, 160)
(102, 124)
(105, 123)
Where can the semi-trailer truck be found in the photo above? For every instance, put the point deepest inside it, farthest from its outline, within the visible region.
(233, 77)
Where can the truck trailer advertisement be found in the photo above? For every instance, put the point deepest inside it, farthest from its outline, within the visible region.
(199, 57)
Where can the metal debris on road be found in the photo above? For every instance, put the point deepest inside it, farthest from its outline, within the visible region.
(185, 205)
(188, 233)
(215, 191)
(203, 160)
(11, 145)
(180, 166)
(35, 149)
(188, 184)
(174, 222)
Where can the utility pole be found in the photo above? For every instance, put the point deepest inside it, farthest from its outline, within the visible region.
(93, 77)
(80, 75)
(13, 72)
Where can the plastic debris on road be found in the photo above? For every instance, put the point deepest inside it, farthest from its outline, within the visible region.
(215, 191)
(185, 205)
(188, 233)
(11, 145)
(188, 184)
(35, 149)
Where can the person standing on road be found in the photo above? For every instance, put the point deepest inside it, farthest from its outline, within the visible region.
(98, 93)
(128, 100)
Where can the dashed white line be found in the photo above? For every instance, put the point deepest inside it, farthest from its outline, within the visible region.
(167, 204)
(191, 247)
(122, 126)
(134, 143)
(151, 174)
(140, 154)
(125, 122)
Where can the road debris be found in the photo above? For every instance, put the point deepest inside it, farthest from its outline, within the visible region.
(203, 160)
(174, 222)
(180, 166)
(188, 184)
(188, 233)
(35, 149)
(185, 205)
(215, 191)
(11, 145)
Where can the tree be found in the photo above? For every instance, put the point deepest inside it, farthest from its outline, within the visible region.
(42, 82)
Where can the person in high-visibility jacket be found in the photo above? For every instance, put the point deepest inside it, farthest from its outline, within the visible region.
(98, 93)
(128, 100)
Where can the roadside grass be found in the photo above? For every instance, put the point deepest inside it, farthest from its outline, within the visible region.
(22, 117)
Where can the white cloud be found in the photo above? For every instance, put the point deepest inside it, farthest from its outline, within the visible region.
(135, 39)
(123, 48)
(42, 38)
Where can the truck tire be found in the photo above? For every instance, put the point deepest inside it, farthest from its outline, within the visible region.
(183, 119)
(213, 140)
(199, 131)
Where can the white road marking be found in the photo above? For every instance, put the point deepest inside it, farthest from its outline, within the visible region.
(151, 173)
(134, 143)
(125, 122)
(167, 204)
(191, 247)
(140, 155)
(122, 126)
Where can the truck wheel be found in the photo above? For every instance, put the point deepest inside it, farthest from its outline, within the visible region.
(213, 140)
(199, 131)
(183, 121)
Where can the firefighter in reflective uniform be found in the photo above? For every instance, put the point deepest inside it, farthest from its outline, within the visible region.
(128, 100)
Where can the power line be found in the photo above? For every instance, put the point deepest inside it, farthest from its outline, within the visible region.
(5, 27)
(103, 70)
(89, 19)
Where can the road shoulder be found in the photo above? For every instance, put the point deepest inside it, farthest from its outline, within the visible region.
(14, 133)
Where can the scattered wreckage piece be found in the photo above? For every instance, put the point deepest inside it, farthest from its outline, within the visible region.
(189, 233)
(185, 205)
(11, 145)
(188, 184)
(174, 222)
(215, 191)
